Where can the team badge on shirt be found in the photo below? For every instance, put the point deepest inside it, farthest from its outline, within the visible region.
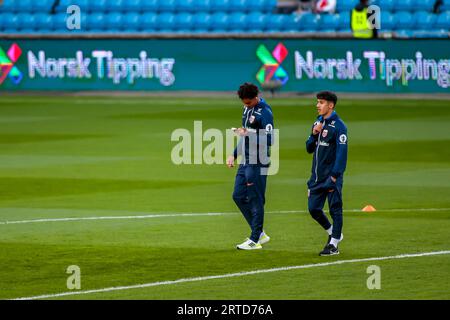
(324, 133)
(251, 119)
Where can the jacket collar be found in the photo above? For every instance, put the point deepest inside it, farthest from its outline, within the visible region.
(333, 116)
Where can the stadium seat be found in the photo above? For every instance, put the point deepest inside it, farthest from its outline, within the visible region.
(148, 22)
(329, 22)
(132, 6)
(59, 22)
(403, 5)
(344, 22)
(385, 5)
(165, 22)
(403, 21)
(387, 21)
(184, 5)
(27, 22)
(443, 21)
(131, 22)
(96, 22)
(42, 6)
(167, 6)
(201, 22)
(183, 22)
(12, 23)
(309, 22)
(44, 22)
(202, 5)
(276, 22)
(149, 5)
(423, 20)
(346, 5)
(269, 5)
(220, 5)
(219, 22)
(98, 6)
(8, 6)
(237, 22)
(446, 6)
(292, 23)
(116, 5)
(255, 22)
(423, 5)
(114, 21)
(84, 5)
(239, 5)
(23, 6)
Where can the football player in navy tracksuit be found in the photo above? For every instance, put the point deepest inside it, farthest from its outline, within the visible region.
(328, 142)
(250, 184)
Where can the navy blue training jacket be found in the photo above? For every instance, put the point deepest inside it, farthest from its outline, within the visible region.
(329, 148)
(259, 122)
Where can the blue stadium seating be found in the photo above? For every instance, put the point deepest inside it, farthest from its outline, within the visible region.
(43, 6)
(329, 22)
(344, 22)
(387, 21)
(27, 22)
(183, 22)
(149, 5)
(423, 5)
(202, 5)
(132, 5)
(83, 4)
(167, 6)
(237, 22)
(346, 5)
(276, 22)
(255, 21)
(165, 22)
(98, 6)
(220, 5)
(385, 5)
(443, 21)
(408, 18)
(44, 22)
(424, 20)
(403, 5)
(96, 22)
(148, 22)
(239, 5)
(114, 21)
(292, 23)
(201, 21)
(185, 5)
(309, 22)
(219, 22)
(131, 22)
(403, 20)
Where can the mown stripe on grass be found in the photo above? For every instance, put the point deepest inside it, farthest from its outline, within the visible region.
(232, 275)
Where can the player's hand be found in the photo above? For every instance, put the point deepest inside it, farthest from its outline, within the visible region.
(230, 161)
(317, 128)
(333, 179)
(241, 131)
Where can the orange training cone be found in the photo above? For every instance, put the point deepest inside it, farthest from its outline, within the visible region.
(369, 208)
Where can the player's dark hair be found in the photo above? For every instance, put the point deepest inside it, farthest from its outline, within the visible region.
(328, 96)
(248, 91)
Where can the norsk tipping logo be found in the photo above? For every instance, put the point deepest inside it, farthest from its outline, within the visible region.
(272, 69)
(7, 61)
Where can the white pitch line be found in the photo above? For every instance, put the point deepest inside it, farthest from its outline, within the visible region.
(190, 214)
(232, 275)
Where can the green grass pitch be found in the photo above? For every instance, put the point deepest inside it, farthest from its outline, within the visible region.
(87, 157)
